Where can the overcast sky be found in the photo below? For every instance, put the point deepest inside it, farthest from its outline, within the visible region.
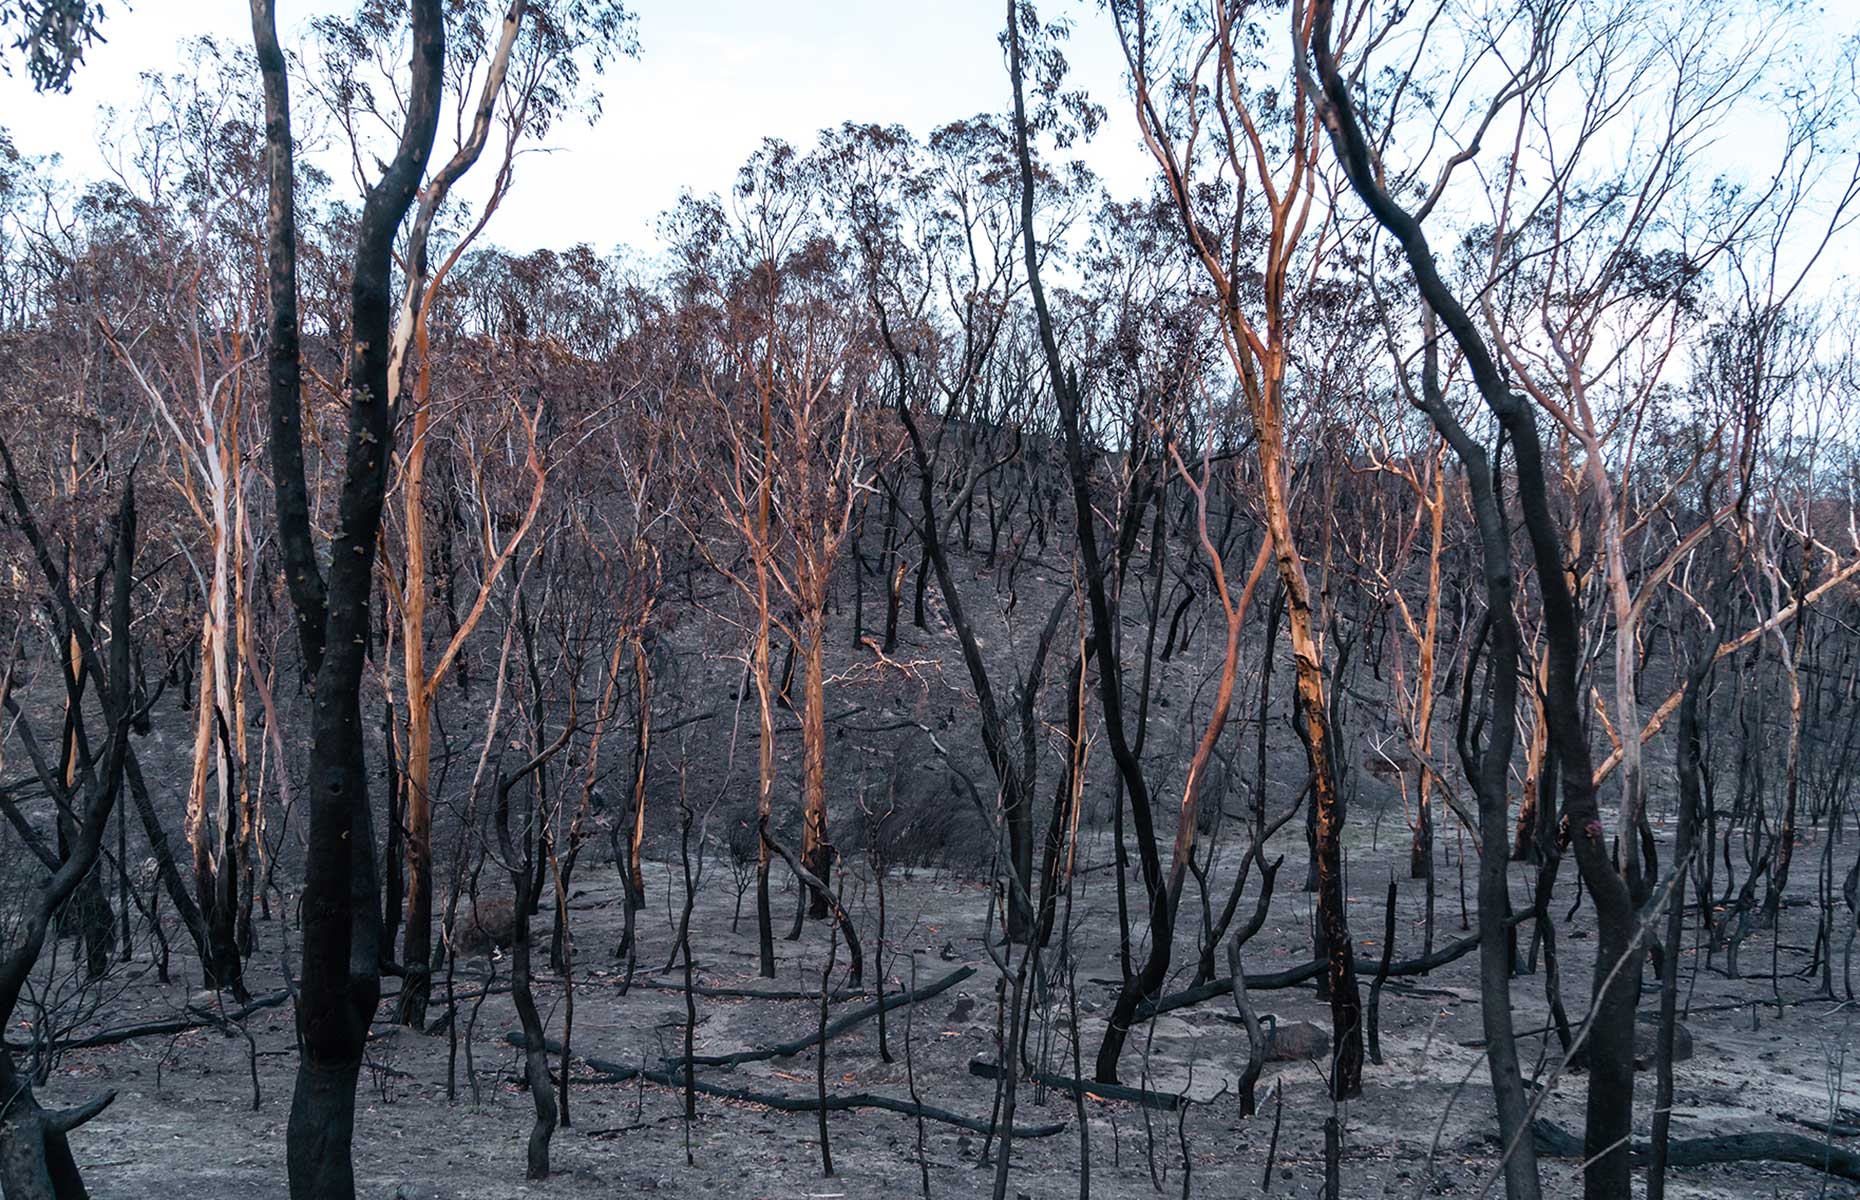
(713, 78)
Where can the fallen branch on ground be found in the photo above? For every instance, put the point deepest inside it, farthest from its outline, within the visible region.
(612, 1072)
(201, 1019)
(791, 1048)
(1832, 1128)
(840, 1025)
(1167, 1101)
(1724, 1148)
(1294, 976)
(736, 993)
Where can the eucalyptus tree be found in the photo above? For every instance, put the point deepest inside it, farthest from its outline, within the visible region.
(340, 983)
(1256, 184)
(1608, 63)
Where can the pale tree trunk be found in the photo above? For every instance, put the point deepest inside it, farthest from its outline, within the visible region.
(1789, 651)
(1314, 715)
(239, 751)
(416, 952)
(218, 814)
(642, 750)
(816, 850)
(1182, 855)
(765, 764)
(422, 682)
(1664, 711)
(411, 336)
(1421, 857)
(1525, 847)
(1417, 705)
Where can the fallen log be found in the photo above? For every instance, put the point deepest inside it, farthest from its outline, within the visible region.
(984, 1068)
(1831, 1128)
(791, 1048)
(1723, 1148)
(736, 993)
(201, 1019)
(1293, 976)
(612, 1072)
(439, 1023)
(846, 1103)
(840, 1025)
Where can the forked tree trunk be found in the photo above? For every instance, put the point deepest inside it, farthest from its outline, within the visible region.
(340, 982)
(35, 1155)
(1617, 974)
(410, 334)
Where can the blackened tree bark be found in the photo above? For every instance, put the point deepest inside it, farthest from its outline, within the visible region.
(1257, 330)
(283, 352)
(522, 861)
(341, 980)
(1689, 757)
(1148, 981)
(1017, 774)
(1488, 770)
(1611, 1024)
(35, 1155)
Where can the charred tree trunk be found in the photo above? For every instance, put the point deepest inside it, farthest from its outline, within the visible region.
(340, 982)
(1690, 754)
(1149, 981)
(1611, 1026)
(35, 1157)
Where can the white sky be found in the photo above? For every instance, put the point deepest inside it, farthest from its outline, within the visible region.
(714, 77)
